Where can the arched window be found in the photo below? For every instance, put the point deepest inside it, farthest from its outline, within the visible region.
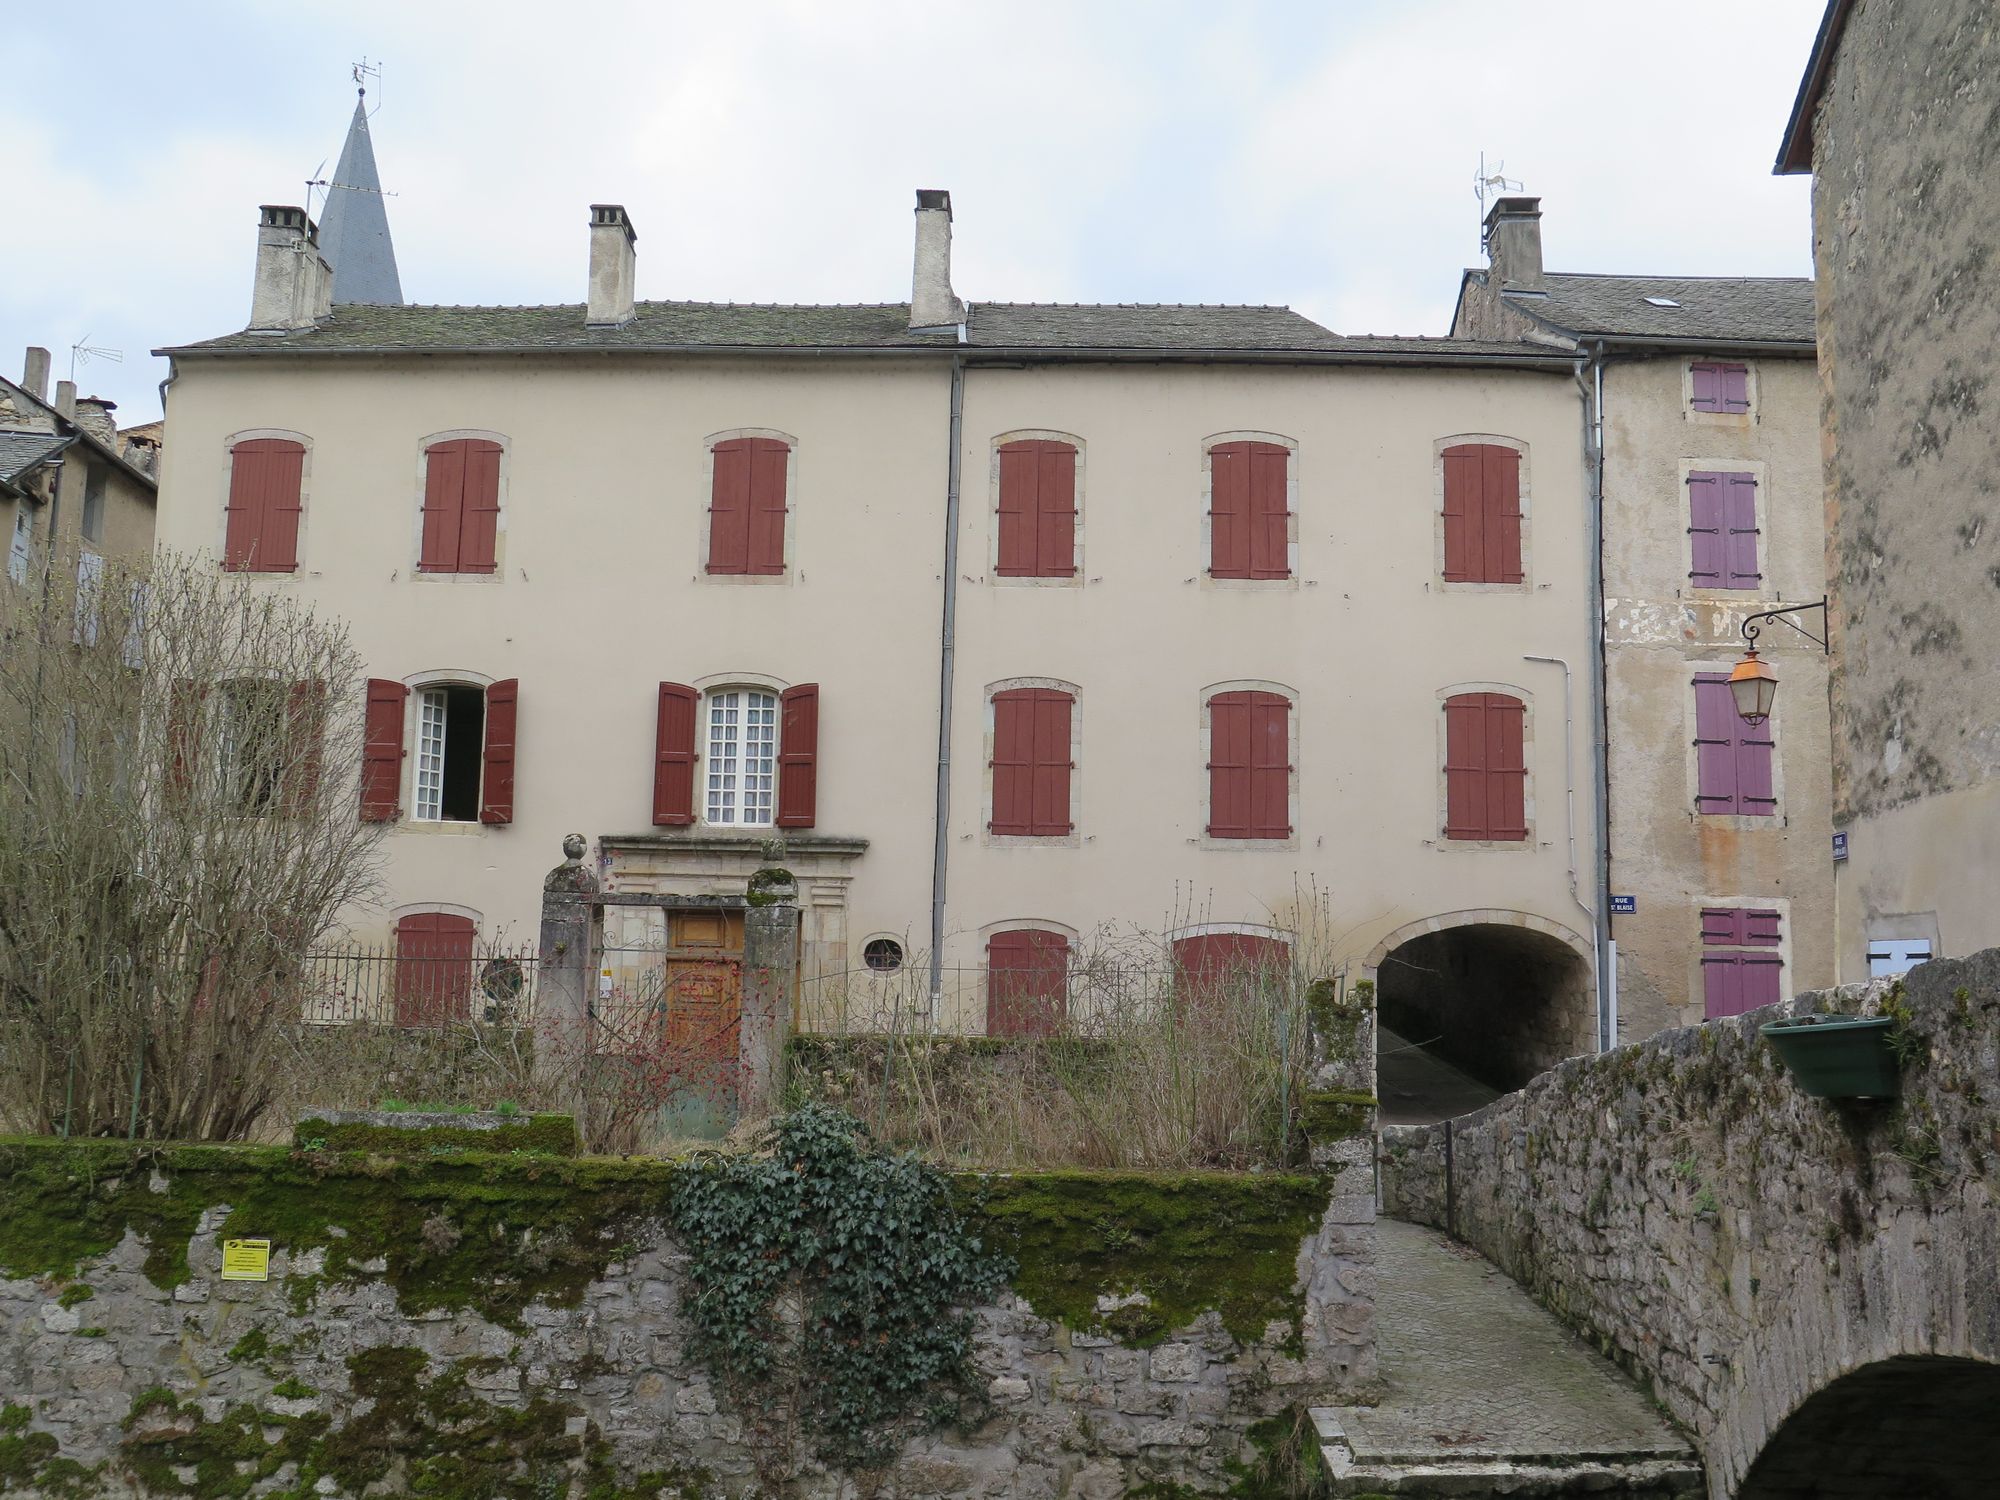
(1036, 509)
(461, 518)
(1249, 765)
(1249, 509)
(748, 504)
(1216, 961)
(1482, 513)
(462, 751)
(433, 974)
(1027, 981)
(1485, 767)
(1032, 759)
(740, 754)
(266, 489)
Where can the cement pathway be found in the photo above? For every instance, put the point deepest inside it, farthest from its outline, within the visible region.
(1479, 1380)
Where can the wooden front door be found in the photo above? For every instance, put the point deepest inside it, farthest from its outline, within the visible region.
(702, 1004)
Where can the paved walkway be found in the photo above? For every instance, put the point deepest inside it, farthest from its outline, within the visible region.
(1478, 1378)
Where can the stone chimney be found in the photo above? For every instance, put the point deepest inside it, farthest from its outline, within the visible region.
(1514, 243)
(614, 267)
(294, 283)
(66, 399)
(932, 301)
(35, 373)
(93, 415)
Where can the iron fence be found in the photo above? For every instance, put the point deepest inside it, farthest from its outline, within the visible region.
(418, 991)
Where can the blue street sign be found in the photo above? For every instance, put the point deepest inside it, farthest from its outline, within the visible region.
(1624, 906)
(1840, 846)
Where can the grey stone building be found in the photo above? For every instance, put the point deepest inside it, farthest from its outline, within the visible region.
(1898, 120)
(1701, 393)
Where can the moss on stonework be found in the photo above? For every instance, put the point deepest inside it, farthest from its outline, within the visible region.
(1189, 1243)
(31, 1461)
(536, 1135)
(769, 886)
(1337, 1020)
(1335, 1114)
(486, 1232)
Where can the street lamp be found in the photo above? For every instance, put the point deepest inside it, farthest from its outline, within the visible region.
(1753, 684)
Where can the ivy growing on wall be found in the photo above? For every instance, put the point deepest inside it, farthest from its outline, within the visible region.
(829, 1282)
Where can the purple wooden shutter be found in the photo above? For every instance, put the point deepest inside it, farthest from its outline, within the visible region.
(1763, 979)
(1738, 519)
(1715, 726)
(1721, 924)
(1760, 928)
(1707, 382)
(1706, 549)
(1721, 985)
(1756, 792)
(1735, 382)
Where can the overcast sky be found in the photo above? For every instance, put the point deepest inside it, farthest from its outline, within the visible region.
(1316, 154)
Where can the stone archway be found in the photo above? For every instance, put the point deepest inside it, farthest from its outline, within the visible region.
(1895, 1429)
(1499, 995)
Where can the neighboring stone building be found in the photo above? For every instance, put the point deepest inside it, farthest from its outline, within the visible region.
(1706, 391)
(1897, 118)
(68, 474)
(1249, 634)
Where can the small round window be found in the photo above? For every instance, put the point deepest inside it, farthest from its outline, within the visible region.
(883, 955)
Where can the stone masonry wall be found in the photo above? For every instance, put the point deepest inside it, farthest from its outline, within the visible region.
(491, 1325)
(1730, 1240)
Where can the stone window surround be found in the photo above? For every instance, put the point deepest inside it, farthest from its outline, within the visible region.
(406, 789)
(707, 497)
(759, 682)
(1022, 435)
(1074, 838)
(1203, 839)
(1695, 1009)
(1738, 419)
(1520, 446)
(252, 434)
(1446, 845)
(424, 445)
(1206, 578)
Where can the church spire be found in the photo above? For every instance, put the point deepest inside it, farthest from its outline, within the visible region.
(354, 225)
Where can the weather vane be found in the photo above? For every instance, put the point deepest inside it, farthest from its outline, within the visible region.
(1484, 184)
(363, 71)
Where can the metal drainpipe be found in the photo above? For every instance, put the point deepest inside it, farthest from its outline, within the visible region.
(1600, 764)
(941, 849)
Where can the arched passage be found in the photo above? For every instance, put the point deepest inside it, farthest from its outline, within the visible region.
(1499, 996)
(1900, 1428)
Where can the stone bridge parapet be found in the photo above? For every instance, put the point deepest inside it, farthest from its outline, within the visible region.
(1742, 1247)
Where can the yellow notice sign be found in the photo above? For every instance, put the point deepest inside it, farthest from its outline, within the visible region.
(246, 1260)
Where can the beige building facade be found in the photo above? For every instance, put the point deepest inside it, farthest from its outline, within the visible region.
(1705, 393)
(741, 572)
(1894, 121)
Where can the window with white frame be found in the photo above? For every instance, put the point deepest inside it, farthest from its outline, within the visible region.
(742, 757)
(451, 732)
(21, 552)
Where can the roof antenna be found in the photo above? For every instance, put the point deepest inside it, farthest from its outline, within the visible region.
(363, 71)
(1487, 184)
(82, 352)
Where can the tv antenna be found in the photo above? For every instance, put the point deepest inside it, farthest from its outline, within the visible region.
(82, 352)
(1486, 185)
(363, 72)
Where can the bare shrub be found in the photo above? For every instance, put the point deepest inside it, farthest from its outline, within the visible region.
(179, 749)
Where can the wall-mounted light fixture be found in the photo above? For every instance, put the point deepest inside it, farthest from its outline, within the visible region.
(1753, 684)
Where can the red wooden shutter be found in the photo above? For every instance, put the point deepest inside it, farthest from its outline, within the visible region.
(1464, 514)
(1737, 515)
(1485, 767)
(382, 751)
(1027, 981)
(479, 514)
(305, 743)
(1049, 810)
(673, 757)
(1502, 495)
(1708, 550)
(433, 978)
(1013, 762)
(1055, 530)
(798, 756)
(729, 508)
(444, 502)
(1249, 766)
(1270, 510)
(496, 802)
(262, 534)
(1019, 510)
(1206, 963)
(765, 551)
(1229, 510)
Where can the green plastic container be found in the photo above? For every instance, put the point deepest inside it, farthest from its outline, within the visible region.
(1838, 1057)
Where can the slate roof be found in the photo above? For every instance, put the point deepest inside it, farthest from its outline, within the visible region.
(21, 451)
(354, 225)
(1721, 309)
(670, 326)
